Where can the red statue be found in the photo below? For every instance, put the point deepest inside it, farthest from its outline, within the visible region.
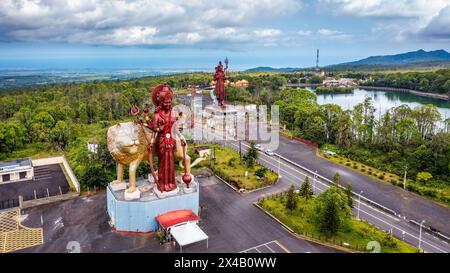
(162, 139)
(220, 78)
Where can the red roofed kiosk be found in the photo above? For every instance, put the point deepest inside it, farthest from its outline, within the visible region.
(182, 225)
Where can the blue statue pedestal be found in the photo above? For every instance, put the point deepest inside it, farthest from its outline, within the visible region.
(139, 215)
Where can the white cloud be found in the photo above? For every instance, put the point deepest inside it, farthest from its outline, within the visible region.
(335, 34)
(389, 8)
(140, 22)
(304, 32)
(439, 26)
(269, 32)
(399, 20)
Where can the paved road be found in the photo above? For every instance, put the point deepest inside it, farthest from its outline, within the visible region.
(292, 174)
(235, 224)
(403, 202)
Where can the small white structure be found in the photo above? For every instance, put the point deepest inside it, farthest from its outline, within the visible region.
(339, 82)
(92, 147)
(16, 170)
(203, 151)
(188, 233)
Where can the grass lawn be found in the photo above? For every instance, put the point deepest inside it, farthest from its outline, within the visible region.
(437, 193)
(229, 167)
(357, 235)
(35, 150)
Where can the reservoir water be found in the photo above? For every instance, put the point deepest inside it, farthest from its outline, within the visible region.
(382, 100)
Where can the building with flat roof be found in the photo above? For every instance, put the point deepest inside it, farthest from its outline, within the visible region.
(16, 170)
(203, 151)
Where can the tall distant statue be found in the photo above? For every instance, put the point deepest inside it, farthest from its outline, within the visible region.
(220, 78)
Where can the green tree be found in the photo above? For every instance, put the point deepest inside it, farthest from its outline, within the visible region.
(426, 117)
(95, 175)
(261, 172)
(251, 156)
(331, 211)
(12, 136)
(82, 114)
(41, 126)
(337, 179)
(348, 193)
(423, 177)
(291, 199)
(60, 135)
(306, 190)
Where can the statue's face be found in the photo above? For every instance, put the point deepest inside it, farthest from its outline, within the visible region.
(167, 103)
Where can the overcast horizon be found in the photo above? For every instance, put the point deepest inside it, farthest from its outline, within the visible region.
(196, 34)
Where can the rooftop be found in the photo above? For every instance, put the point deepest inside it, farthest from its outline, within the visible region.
(16, 164)
(202, 148)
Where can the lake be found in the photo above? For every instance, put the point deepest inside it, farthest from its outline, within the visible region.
(382, 100)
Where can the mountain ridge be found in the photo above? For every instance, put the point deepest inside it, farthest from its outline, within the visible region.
(419, 57)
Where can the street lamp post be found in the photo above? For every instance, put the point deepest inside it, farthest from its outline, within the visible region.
(314, 181)
(279, 166)
(404, 177)
(420, 234)
(359, 204)
(240, 149)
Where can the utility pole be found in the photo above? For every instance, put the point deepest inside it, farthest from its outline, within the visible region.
(317, 61)
(279, 166)
(240, 149)
(359, 204)
(404, 177)
(314, 180)
(420, 234)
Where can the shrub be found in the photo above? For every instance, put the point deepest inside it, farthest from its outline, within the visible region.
(261, 172)
(389, 241)
(231, 162)
(428, 192)
(381, 176)
(423, 177)
(347, 164)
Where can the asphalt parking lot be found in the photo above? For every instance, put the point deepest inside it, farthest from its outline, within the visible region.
(49, 177)
(269, 247)
(231, 222)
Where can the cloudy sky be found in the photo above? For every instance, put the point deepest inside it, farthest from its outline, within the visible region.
(195, 33)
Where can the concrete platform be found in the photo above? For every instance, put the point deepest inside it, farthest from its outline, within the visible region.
(139, 215)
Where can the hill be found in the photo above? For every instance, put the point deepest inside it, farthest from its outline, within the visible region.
(409, 58)
(271, 69)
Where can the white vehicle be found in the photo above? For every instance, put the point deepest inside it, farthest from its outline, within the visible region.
(269, 152)
(258, 147)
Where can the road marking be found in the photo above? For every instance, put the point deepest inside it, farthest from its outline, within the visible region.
(282, 246)
(366, 205)
(267, 246)
(326, 185)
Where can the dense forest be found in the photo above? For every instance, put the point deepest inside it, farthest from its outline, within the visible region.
(400, 137)
(57, 119)
(431, 82)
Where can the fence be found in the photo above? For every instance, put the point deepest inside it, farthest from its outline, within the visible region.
(14, 236)
(11, 203)
(38, 194)
(47, 193)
